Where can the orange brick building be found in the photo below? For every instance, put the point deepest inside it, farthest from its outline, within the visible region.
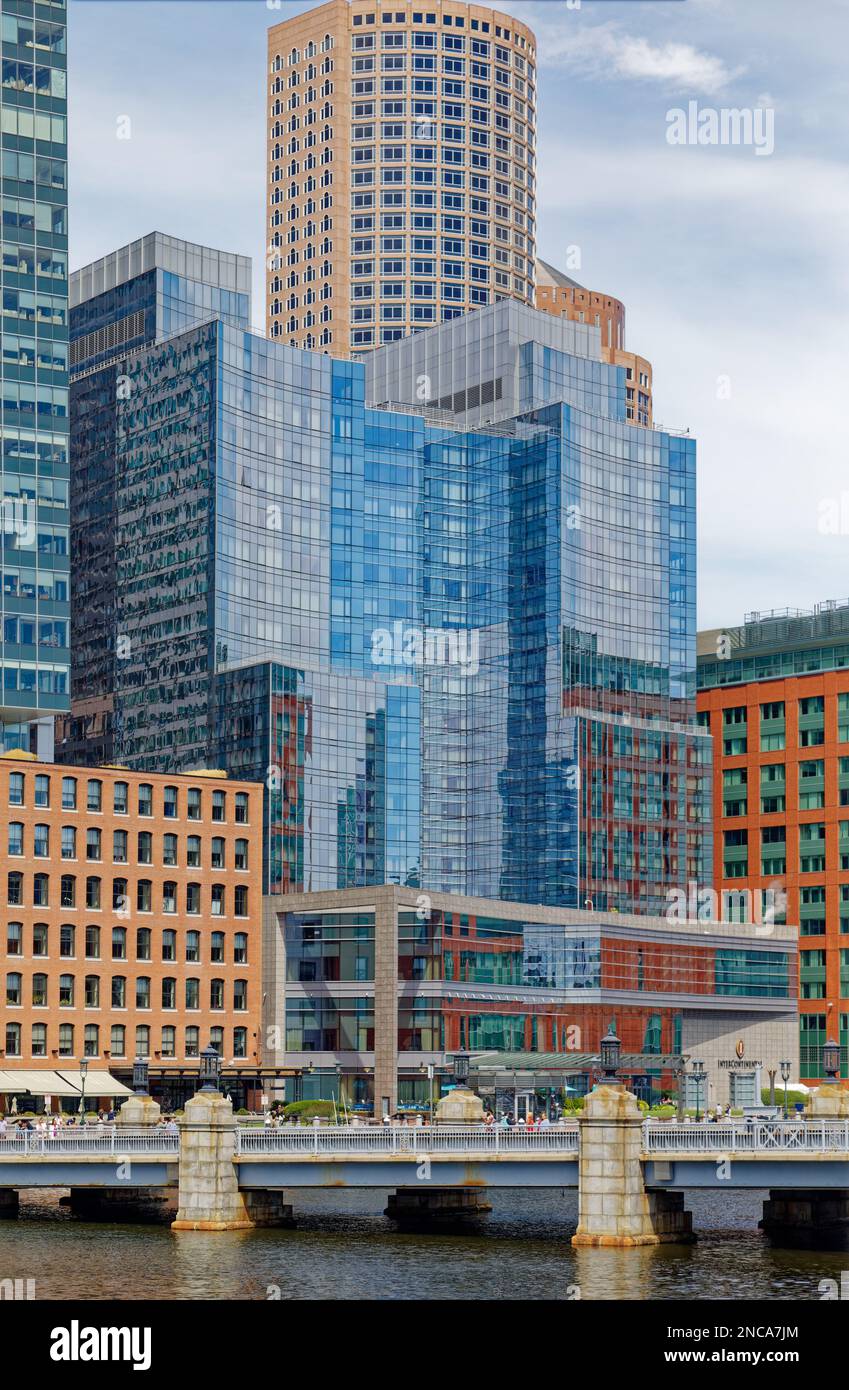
(775, 695)
(133, 911)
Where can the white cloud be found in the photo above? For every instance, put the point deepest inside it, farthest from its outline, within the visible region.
(604, 50)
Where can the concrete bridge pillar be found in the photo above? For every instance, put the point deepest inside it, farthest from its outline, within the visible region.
(9, 1202)
(615, 1207)
(414, 1205)
(807, 1219)
(209, 1196)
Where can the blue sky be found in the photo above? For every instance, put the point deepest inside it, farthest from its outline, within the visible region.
(733, 266)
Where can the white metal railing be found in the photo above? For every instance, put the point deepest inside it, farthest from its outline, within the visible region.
(811, 1136)
(402, 1139)
(25, 1143)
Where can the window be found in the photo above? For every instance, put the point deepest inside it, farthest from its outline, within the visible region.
(193, 804)
(241, 854)
(92, 893)
(14, 889)
(66, 941)
(92, 943)
(16, 789)
(39, 1040)
(117, 1040)
(193, 898)
(241, 814)
(14, 989)
(42, 790)
(192, 993)
(69, 842)
(169, 849)
(145, 847)
(143, 992)
(216, 994)
(169, 896)
(120, 900)
(66, 1039)
(40, 939)
(41, 846)
(41, 890)
(119, 943)
(240, 995)
(240, 948)
(216, 954)
(92, 991)
(14, 938)
(143, 940)
(192, 1041)
(94, 795)
(218, 805)
(193, 851)
(119, 846)
(142, 1040)
(169, 802)
(217, 853)
(66, 991)
(120, 798)
(169, 944)
(119, 991)
(93, 844)
(240, 1042)
(69, 793)
(193, 945)
(68, 891)
(13, 1040)
(16, 837)
(240, 906)
(39, 991)
(145, 799)
(144, 895)
(169, 992)
(169, 1040)
(91, 1040)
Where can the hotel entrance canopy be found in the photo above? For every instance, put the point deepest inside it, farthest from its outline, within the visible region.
(61, 1083)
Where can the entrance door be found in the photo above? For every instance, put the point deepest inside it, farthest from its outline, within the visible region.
(524, 1105)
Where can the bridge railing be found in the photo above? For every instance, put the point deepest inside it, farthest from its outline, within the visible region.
(812, 1136)
(424, 1139)
(28, 1143)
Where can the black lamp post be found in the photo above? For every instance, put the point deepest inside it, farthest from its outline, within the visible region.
(831, 1059)
(611, 1055)
(83, 1070)
(210, 1069)
(699, 1075)
(140, 1076)
(785, 1077)
(461, 1068)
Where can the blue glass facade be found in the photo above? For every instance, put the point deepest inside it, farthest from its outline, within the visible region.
(459, 658)
(34, 367)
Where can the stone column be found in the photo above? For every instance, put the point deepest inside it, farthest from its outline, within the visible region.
(385, 1001)
(138, 1112)
(209, 1194)
(614, 1206)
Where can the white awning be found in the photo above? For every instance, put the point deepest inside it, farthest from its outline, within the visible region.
(65, 1083)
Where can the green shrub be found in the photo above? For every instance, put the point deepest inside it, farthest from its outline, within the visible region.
(792, 1096)
(309, 1109)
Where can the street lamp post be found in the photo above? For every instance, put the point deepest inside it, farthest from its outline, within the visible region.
(140, 1076)
(210, 1069)
(611, 1055)
(785, 1077)
(831, 1059)
(83, 1070)
(699, 1075)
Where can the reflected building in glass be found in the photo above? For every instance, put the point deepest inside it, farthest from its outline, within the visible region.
(34, 373)
(455, 639)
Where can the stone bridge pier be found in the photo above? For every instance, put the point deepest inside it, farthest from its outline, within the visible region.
(615, 1208)
(209, 1197)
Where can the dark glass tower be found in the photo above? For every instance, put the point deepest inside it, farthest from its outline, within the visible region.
(34, 369)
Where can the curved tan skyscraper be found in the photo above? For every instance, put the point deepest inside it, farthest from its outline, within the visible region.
(401, 169)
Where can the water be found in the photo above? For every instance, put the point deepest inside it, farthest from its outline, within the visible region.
(344, 1248)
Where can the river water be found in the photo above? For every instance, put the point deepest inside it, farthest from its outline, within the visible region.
(344, 1248)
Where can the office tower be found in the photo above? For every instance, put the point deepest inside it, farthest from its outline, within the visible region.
(558, 294)
(774, 693)
(460, 656)
(401, 169)
(34, 371)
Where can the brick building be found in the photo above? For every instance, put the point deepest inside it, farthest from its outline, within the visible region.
(133, 909)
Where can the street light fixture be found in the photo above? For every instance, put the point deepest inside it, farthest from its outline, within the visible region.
(210, 1069)
(83, 1070)
(830, 1059)
(140, 1076)
(461, 1068)
(611, 1055)
(785, 1077)
(699, 1075)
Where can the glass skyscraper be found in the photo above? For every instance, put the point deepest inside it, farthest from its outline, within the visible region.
(459, 654)
(34, 369)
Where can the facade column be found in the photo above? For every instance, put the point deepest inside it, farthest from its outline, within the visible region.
(385, 1003)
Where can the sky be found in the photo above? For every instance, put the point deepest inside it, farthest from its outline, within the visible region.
(733, 265)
